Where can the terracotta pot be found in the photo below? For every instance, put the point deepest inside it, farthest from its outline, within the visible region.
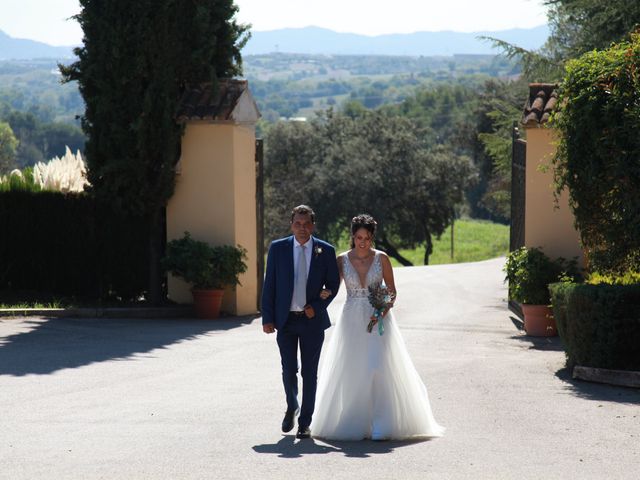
(207, 303)
(539, 321)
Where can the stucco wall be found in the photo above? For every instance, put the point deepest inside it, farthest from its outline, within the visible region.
(545, 225)
(215, 199)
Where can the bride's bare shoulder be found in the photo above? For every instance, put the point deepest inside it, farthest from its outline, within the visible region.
(384, 258)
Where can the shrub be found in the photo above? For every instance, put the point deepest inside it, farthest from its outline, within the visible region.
(204, 266)
(626, 278)
(19, 181)
(529, 273)
(598, 324)
(70, 245)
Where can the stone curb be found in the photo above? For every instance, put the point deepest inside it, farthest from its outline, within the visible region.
(153, 312)
(622, 378)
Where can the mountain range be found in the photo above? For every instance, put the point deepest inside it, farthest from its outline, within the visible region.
(315, 40)
(23, 49)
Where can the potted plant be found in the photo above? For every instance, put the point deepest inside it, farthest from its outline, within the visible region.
(209, 270)
(529, 272)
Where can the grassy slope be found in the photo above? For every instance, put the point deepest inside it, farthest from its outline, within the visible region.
(474, 240)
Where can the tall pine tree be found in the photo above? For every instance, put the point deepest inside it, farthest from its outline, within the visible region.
(136, 60)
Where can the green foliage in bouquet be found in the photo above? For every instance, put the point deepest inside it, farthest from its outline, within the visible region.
(529, 272)
(204, 266)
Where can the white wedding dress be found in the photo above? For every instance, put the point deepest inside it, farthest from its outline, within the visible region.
(368, 386)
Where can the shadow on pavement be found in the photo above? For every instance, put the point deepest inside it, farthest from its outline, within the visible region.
(289, 447)
(598, 391)
(46, 345)
(549, 344)
(519, 324)
(553, 344)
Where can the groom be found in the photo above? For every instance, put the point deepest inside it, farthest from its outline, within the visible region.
(298, 268)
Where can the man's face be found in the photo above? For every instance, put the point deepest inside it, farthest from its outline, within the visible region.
(302, 227)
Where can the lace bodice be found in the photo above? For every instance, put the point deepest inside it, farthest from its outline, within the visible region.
(352, 278)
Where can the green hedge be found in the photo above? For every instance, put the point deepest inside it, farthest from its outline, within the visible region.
(599, 324)
(70, 245)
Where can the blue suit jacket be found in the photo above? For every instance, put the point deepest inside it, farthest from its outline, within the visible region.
(277, 290)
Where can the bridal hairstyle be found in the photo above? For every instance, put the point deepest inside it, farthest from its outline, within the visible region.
(303, 210)
(363, 221)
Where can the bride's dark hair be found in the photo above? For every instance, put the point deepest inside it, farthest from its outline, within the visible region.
(363, 221)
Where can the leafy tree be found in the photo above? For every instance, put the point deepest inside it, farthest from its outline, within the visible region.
(8, 145)
(291, 150)
(440, 110)
(577, 27)
(41, 141)
(137, 59)
(500, 107)
(371, 163)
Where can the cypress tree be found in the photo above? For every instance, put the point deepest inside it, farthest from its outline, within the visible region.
(136, 61)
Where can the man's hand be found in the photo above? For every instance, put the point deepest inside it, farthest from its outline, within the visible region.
(309, 311)
(324, 294)
(268, 328)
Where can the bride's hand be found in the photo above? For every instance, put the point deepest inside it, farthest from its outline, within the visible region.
(324, 294)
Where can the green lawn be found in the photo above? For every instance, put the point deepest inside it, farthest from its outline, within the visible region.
(474, 240)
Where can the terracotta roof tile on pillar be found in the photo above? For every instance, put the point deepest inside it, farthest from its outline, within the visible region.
(543, 98)
(200, 103)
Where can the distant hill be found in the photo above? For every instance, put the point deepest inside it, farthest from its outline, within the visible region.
(315, 40)
(21, 49)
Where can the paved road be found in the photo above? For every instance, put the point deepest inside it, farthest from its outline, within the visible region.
(188, 399)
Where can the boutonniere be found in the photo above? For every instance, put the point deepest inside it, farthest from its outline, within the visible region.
(318, 250)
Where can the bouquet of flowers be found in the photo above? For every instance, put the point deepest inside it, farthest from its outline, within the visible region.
(380, 298)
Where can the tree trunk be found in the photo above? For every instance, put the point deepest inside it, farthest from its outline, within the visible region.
(154, 285)
(383, 244)
(428, 250)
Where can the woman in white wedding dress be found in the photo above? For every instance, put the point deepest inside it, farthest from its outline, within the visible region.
(368, 386)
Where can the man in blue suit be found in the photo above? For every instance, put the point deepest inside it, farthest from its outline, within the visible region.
(299, 267)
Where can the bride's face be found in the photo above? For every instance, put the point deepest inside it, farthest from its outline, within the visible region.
(362, 239)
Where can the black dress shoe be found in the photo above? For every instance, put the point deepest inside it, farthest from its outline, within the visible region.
(288, 420)
(303, 432)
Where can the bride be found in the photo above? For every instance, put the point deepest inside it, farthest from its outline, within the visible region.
(368, 386)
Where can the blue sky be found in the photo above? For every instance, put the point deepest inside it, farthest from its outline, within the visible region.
(45, 20)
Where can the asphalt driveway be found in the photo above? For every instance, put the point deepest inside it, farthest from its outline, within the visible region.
(195, 399)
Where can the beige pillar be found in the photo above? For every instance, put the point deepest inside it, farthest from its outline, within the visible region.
(548, 224)
(215, 200)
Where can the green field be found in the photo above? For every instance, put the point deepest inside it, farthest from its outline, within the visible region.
(474, 240)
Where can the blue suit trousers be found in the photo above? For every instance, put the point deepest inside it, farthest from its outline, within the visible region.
(308, 334)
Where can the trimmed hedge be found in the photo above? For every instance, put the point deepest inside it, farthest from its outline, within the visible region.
(598, 324)
(70, 245)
